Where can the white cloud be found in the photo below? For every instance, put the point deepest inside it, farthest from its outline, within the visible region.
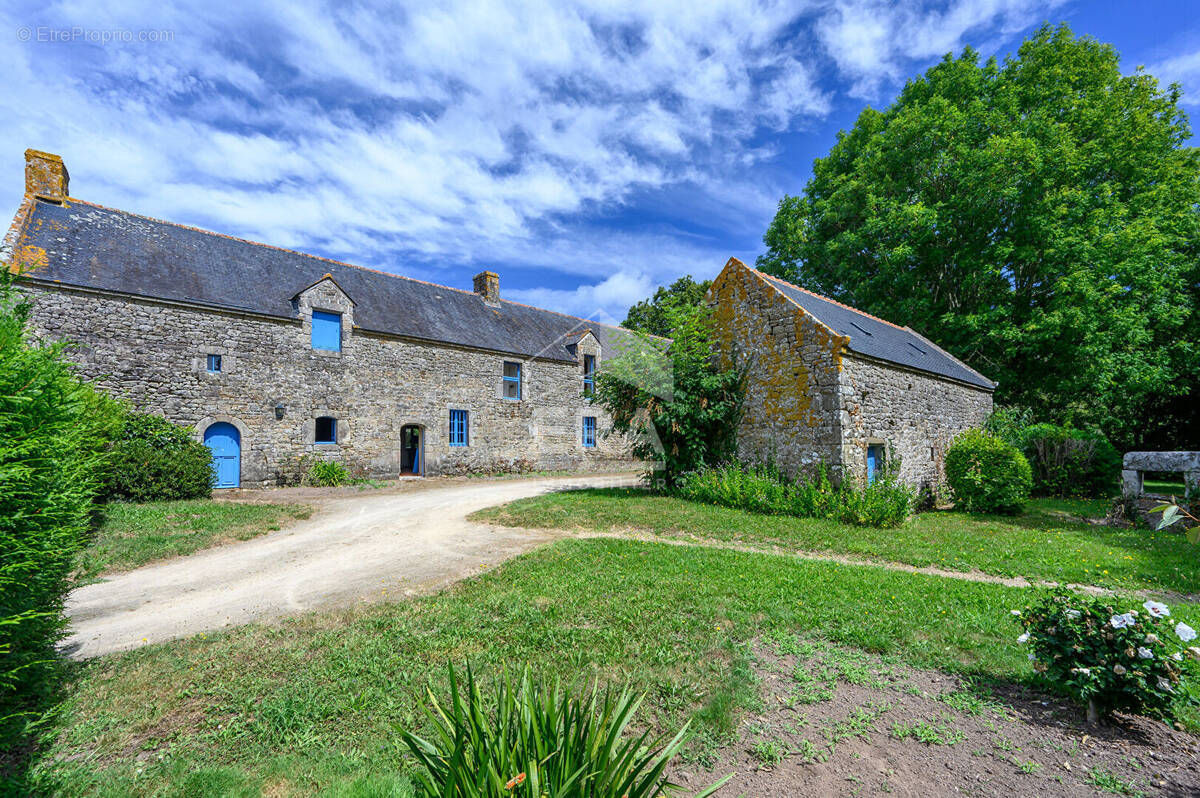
(1183, 69)
(466, 132)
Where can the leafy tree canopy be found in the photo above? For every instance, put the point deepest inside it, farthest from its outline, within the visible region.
(1040, 218)
(651, 315)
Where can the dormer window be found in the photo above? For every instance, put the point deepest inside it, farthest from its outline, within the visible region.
(327, 331)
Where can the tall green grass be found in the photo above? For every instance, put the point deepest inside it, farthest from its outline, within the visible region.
(884, 503)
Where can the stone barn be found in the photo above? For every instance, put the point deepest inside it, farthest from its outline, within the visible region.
(831, 384)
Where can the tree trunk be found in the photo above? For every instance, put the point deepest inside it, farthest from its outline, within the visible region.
(1093, 712)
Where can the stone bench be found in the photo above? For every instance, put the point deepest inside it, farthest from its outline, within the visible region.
(1137, 463)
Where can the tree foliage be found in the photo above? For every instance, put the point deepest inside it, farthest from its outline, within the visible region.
(652, 316)
(1039, 218)
(52, 432)
(681, 406)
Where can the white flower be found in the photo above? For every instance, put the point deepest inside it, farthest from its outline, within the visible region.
(1157, 609)
(1194, 652)
(1145, 653)
(1016, 613)
(1177, 657)
(1023, 638)
(1119, 670)
(1073, 613)
(1163, 684)
(1032, 657)
(1084, 671)
(1121, 621)
(1152, 639)
(1185, 632)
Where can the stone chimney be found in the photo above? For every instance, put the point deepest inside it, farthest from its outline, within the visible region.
(45, 176)
(487, 285)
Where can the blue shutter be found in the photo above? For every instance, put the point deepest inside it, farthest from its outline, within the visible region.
(874, 462)
(327, 331)
(589, 431)
(458, 428)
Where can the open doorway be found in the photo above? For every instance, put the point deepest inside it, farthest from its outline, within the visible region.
(412, 454)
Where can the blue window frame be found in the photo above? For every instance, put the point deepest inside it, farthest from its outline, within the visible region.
(327, 331)
(589, 375)
(875, 461)
(512, 380)
(326, 431)
(214, 364)
(458, 428)
(589, 431)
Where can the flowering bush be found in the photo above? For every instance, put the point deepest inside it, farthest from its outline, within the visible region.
(1111, 658)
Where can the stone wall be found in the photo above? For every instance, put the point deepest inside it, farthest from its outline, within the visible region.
(792, 360)
(914, 414)
(155, 354)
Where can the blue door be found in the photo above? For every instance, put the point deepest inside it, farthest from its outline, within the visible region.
(226, 445)
(874, 461)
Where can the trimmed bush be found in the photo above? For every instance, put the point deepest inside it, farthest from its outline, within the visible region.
(152, 459)
(1070, 462)
(52, 432)
(764, 489)
(987, 475)
(535, 740)
(325, 474)
(1111, 656)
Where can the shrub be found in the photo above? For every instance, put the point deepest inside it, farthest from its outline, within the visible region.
(52, 431)
(1009, 424)
(678, 404)
(325, 474)
(1111, 657)
(764, 489)
(1070, 462)
(986, 474)
(538, 741)
(152, 459)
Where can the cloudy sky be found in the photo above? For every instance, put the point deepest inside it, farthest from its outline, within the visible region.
(586, 152)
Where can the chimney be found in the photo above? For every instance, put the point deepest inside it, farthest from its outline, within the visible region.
(487, 285)
(45, 176)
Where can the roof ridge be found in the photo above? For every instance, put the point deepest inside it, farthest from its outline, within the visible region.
(829, 299)
(329, 260)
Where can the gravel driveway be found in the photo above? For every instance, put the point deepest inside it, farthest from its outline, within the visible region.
(362, 548)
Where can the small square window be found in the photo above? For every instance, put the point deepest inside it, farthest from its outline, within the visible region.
(512, 380)
(458, 428)
(589, 375)
(214, 364)
(326, 431)
(589, 431)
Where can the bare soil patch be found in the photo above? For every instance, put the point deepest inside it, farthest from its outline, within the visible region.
(838, 722)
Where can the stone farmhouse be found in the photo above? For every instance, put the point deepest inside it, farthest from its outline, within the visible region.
(276, 357)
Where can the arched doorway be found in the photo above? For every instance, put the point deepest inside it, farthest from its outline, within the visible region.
(225, 442)
(412, 450)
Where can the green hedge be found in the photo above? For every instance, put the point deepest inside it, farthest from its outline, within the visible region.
(52, 432)
(152, 459)
(1070, 462)
(986, 474)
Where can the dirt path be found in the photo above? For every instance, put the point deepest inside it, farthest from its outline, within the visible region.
(356, 548)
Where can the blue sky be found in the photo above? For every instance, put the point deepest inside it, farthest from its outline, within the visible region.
(586, 152)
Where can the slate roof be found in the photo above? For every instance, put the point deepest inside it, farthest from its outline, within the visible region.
(881, 339)
(96, 247)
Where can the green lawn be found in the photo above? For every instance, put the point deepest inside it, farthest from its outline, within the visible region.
(129, 535)
(308, 706)
(1048, 542)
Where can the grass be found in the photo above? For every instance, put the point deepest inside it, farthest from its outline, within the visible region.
(308, 706)
(1050, 541)
(130, 535)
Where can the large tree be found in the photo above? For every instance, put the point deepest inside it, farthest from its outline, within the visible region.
(1039, 217)
(653, 315)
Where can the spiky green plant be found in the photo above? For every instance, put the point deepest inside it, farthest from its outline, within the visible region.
(539, 741)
